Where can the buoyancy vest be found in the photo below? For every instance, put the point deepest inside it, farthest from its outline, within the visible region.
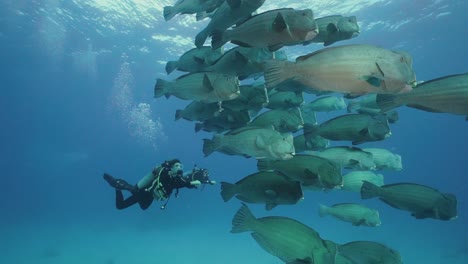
(156, 187)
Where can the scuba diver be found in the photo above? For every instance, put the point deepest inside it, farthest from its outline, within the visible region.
(157, 185)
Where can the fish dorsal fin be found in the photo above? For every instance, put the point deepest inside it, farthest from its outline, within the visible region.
(305, 57)
(184, 76)
(271, 194)
(424, 108)
(332, 28)
(279, 24)
(259, 142)
(241, 43)
(438, 79)
(207, 83)
(242, 129)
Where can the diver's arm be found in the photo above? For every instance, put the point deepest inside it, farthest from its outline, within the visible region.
(185, 182)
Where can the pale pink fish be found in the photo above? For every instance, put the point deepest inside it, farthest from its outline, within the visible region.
(352, 69)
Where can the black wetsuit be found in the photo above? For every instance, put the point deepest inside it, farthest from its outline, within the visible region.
(145, 197)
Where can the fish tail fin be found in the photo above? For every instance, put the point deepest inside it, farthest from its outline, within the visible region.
(228, 190)
(169, 12)
(275, 72)
(387, 102)
(243, 220)
(178, 114)
(263, 165)
(353, 106)
(218, 39)
(171, 66)
(198, 126)
(210, 145)
(160, 88)
(201, 38)
(323, 210)
(369, 190)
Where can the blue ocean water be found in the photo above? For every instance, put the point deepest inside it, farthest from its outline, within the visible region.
(77, 100)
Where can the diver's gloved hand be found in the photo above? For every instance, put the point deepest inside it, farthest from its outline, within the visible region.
(195, 183)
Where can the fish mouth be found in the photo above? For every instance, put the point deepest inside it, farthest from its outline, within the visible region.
(339, 186)
(311, 34)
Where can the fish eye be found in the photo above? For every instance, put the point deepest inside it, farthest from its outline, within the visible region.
(402, 59)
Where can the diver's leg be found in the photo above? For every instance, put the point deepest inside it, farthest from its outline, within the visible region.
(118, 183)
(121, 203)
(145, 199)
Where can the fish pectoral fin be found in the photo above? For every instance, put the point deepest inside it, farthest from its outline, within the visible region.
(270, 205)
(307, 260)
(360, 222)
(310, 175)
(353, 162)
(259, 142)
(328, 43)
(283, 125)
(372, 80)
(279, 24)
(364, 131)
(275, 47)
(425, 214)
(332, 28)
(207, 84)
(199, 60)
